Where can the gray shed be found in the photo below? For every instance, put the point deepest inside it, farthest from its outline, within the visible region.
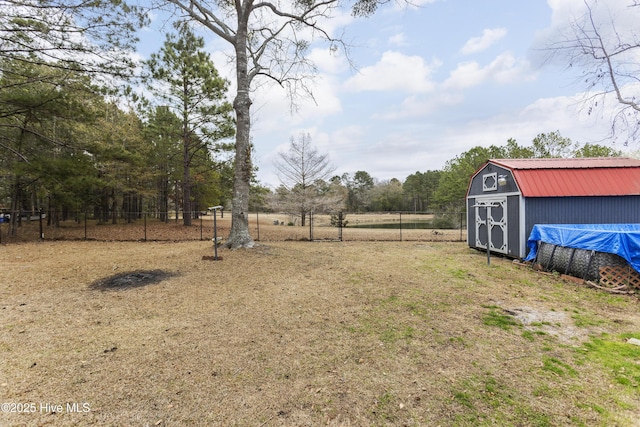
(516, 194)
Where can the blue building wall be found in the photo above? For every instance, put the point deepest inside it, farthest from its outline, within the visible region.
(581, 210)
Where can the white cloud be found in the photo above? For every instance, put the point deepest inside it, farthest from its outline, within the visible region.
(273, 109)
(567, 114)
(397, 39)
(395, 71)
(396, 150)
(328, 61)
(420, 106)
(504, 69)
(488, 38)
(615, 20)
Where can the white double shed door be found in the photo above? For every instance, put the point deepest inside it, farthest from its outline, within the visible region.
(491, 223)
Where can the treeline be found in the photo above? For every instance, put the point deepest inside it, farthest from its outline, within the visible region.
(68, 145)
(437, 191)
(66, 148)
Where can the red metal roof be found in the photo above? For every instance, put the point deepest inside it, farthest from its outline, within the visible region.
(577, 163)
(605, 176)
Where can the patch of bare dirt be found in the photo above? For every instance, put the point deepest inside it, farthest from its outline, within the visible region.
(556, 323)
(131, 279)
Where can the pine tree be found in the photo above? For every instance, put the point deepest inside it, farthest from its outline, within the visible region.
(190, 85)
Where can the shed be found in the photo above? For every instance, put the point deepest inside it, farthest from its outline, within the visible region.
(516, 194)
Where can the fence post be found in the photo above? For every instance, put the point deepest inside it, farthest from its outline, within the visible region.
(200, 227)
(310, 226)
(215, 235)
(401, 226)
(257, 224)
(145, 226)
(85, 224)
(40, 222)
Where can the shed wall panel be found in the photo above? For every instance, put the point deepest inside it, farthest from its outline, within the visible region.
(471, 229)
(581, 210)
(513, 224)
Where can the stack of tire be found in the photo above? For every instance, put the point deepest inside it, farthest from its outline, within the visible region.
(582, 263)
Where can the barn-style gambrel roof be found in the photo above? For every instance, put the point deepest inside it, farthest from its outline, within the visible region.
(601, 176)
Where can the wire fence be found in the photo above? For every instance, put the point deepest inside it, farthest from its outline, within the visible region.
(265, 227)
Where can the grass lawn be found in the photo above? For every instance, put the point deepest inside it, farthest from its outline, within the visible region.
(299, 333)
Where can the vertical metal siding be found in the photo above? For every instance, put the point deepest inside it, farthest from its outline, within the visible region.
(513, 225)
(581, 210)
(471, 222)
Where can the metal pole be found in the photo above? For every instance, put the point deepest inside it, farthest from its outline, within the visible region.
(257, 223)
(85, 224)
(145, 226)
(488, 235)
(401, 226)
(215, 235)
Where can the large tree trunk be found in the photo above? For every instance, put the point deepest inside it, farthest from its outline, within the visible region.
(239, 235)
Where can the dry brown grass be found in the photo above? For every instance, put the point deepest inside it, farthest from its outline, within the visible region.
(298, 333)
(261, 227)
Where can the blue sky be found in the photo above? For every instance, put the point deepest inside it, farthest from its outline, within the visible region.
(430, 83)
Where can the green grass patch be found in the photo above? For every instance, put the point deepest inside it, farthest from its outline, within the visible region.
(459, 273)
(486, 401)
(583, 320)
(495, 317)
(618, 357)
(558, 367)
(464, 399)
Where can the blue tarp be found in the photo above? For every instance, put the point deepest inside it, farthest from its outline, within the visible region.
(620, 239)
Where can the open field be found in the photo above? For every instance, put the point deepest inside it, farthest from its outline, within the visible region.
(261, 226)
(299, 333)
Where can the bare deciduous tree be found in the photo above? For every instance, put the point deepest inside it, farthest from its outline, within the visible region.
(303, 172)
(269, 39)
(608, 53)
